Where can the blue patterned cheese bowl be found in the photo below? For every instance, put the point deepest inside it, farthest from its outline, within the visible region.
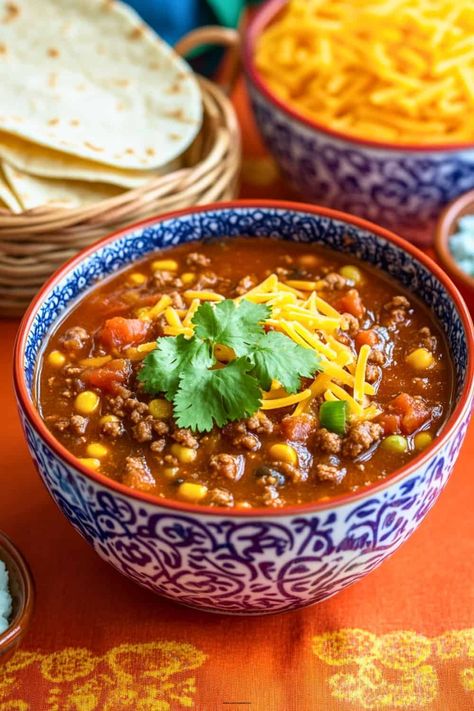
(245, 561)
(401, 187)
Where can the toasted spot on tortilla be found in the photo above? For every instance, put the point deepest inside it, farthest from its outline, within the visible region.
(174, 136)
(121, 82)
(11, 12)
(74, 122)
(129, 151)
(173, 88)
(52, 79)
(53, 52)
(136, 33)
(154, 65)
(53, 122)
(150, 151)
(177, 114)
(92, 147)
(3, 48)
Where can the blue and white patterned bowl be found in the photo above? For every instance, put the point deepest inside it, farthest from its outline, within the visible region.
(401, 187)
(246, 561)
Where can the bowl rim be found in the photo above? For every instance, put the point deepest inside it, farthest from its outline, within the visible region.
(32, 414)
(21, 620)
(443, 233)
(263, 16)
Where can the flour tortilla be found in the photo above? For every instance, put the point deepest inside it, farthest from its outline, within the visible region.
(31, 191)
(87, 77)
(47, 163)
(7, 197)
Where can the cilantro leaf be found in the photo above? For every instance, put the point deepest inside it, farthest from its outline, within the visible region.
(208, 397)
(204, 395)
(229, 325)
(163, 367)
(277, 357)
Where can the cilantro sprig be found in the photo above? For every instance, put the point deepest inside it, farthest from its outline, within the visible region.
(206, 392)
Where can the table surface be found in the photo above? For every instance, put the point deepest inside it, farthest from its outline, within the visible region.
(401, 638)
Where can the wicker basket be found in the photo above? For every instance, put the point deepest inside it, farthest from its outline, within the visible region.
(36, 242)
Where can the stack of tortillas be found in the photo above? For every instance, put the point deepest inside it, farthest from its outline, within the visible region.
(92, 103)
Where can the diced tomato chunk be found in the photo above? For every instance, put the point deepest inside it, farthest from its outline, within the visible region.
(366, 338)
(413, 410)
(109, 376)
(298, 427)
(118, 332)
(351, 303)
(390, 423)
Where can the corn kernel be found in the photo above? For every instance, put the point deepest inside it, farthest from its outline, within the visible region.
(87, 402)
(171, 472)
(160, 408)
(168, 265)
(56, 359)
(136, 279)
(422, 440)
(284, 453)
(185, 455)
(108, 418)
(187, 278)
(96, 450)
(243, 505)
(89, 462)
(349, 271)
(395, 443)
(192, 492)
(421, 359)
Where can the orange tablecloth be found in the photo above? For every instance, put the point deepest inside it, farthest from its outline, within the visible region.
(403, 638)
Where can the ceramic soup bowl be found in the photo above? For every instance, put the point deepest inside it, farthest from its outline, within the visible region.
(246, 561)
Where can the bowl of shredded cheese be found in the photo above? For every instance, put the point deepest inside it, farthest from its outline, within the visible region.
(367, 104)
(16, 597)
(454, 244)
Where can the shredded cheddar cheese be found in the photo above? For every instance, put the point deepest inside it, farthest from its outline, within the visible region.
(149, 314)
(388, 70)
(359, 378)
(279, 402)
(298, 311)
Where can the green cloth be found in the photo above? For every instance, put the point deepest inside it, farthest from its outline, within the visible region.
(227, 11)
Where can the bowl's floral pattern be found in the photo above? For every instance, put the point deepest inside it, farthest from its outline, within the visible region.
(400, 189)
(231, 563)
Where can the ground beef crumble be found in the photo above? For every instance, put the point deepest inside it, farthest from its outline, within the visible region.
(397, 309)
(361, 437)
(350, 324)
(327, 441)
(220, 497)
(196, 259)
(138, 475)
(426, 339)
(240, 437)
(75, 339)
(330, 472)
(226, 465)
(334, 282)
(185, 437)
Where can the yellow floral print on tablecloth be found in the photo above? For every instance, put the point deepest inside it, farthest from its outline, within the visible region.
(153, 676)
(395, 670)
